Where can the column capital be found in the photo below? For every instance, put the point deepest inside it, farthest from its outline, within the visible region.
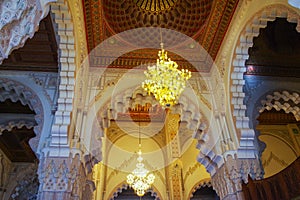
(64, 178)
(227, 181)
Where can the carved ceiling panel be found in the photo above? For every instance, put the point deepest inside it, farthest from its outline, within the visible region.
(205, 21)
(185, 16)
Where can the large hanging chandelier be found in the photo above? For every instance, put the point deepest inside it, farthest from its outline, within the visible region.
(164, 80)
(140, 179)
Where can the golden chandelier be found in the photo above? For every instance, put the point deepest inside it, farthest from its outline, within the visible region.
(140, 179)
(164, 80)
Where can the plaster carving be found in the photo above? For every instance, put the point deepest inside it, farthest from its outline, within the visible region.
(49, 83)
(57, 177)
(9, 125)
(227, 182)
(130, 98)
(19, 21)
(63, 175)
(67, 63)
(88, 190)
(76, 9)
(16, 91)
(283, 101)
(247, 147)
(21, 182)
(175, 173)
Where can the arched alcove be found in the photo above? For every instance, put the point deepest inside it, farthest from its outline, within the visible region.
(239, 97)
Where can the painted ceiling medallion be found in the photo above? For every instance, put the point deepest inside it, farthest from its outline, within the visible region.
(155, 5)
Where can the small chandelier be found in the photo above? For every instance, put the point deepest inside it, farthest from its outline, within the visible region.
(140, 179)
(164, 80)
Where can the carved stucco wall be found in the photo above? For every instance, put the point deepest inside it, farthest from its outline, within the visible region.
(285, 100)
(62, 116)
(251, 21)
(249, 17)
(69, 19)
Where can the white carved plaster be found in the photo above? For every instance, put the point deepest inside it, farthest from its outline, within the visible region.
(19, 21)
(275, 101)
(66, 43)
(62, 178)
(247, 147)
(47, 100)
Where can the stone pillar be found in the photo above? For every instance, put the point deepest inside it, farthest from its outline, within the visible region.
(64, 178)
(227, 181)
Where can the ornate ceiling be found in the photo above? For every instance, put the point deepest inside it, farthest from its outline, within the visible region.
(184, 16)
(205, 21)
